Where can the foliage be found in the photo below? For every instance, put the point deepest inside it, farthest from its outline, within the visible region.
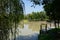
(11, 12)
(52, 8)
(37, 16)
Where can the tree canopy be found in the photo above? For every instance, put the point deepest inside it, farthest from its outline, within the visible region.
(51, 7)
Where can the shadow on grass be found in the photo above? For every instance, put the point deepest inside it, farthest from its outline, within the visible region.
(53, 34)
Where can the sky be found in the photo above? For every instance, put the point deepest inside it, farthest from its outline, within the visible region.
(29, 9)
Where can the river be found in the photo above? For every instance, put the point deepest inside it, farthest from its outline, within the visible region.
(28, 37)
(26, 34)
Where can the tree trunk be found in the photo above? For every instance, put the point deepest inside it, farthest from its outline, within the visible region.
(15, 32)
(55, 23)
(46, 27)
(40, 28)
(50, 24)
(58, 23)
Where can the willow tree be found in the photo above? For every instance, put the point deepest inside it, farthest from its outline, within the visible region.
(11, 12)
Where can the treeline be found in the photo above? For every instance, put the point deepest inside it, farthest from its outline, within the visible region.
(37, 16)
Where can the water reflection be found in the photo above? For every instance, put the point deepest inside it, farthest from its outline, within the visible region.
(28, 37)
(26, 26)
(26, 33)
